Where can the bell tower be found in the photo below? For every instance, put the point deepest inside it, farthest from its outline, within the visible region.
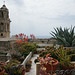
(4, 22)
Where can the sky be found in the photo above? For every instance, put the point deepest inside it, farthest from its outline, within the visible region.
(39, 17)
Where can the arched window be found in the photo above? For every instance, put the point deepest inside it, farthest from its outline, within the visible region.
(1, 23)
(1, 34)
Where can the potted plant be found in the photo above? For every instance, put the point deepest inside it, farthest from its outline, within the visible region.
(28, 66)
(9, 66)
(64, 59)
(43, 71)
(49, 62)
(36, 60)
(2, 71)
(19, 70)
(2, 64)
(30, 61)
(23, 71)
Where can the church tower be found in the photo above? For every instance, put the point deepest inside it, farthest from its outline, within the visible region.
(4, 22)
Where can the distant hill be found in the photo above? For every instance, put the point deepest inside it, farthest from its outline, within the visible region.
(37, 37)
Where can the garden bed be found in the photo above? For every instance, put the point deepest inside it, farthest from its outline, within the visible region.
(13, 66)
(63, 55)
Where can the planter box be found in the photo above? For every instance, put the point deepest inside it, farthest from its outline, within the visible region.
(52, 67)
(23, 72)
(28, 69)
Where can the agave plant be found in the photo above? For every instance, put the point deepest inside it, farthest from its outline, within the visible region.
(65, 37)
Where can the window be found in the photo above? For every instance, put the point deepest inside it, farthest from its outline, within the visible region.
(1, 34)
(1, 23)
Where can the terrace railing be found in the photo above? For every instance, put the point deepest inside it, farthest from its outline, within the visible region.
(27, 59)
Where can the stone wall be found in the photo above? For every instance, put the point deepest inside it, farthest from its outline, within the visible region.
(4, 58)
(45, 41)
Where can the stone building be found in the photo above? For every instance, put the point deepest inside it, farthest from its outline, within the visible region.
(4, 32)
(4, 22)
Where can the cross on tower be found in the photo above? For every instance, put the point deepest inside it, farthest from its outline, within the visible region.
(4, 2)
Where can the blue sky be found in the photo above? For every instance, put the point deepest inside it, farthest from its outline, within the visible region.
(39, 17)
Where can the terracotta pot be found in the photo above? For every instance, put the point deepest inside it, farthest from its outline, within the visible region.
(23, 72)
(2, 64)
(2, 73)
(35, 52)
(51, 67)
(30, 61)
(28, 69)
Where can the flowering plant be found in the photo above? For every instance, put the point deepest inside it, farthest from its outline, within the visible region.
(43, 71)
(21, 38)
(46, 60)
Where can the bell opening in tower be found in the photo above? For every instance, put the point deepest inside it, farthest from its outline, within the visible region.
(1, 34)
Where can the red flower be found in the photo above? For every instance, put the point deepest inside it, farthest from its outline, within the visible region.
(24, 35)
(24, 38)
(16, 35)
(32, 36)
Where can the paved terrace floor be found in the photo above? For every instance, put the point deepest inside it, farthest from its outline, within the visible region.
(33, 67)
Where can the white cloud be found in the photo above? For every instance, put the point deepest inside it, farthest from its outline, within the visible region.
(50, 8)
(40, 16)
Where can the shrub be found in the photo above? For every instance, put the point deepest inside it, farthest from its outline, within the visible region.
(25, 49)
(36, 60)
(16, 55)
(51, 50)
(28, 64)
(25, 53)
(62, 55)
(9, 66)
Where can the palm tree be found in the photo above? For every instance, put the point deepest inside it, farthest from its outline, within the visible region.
(65, 37)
